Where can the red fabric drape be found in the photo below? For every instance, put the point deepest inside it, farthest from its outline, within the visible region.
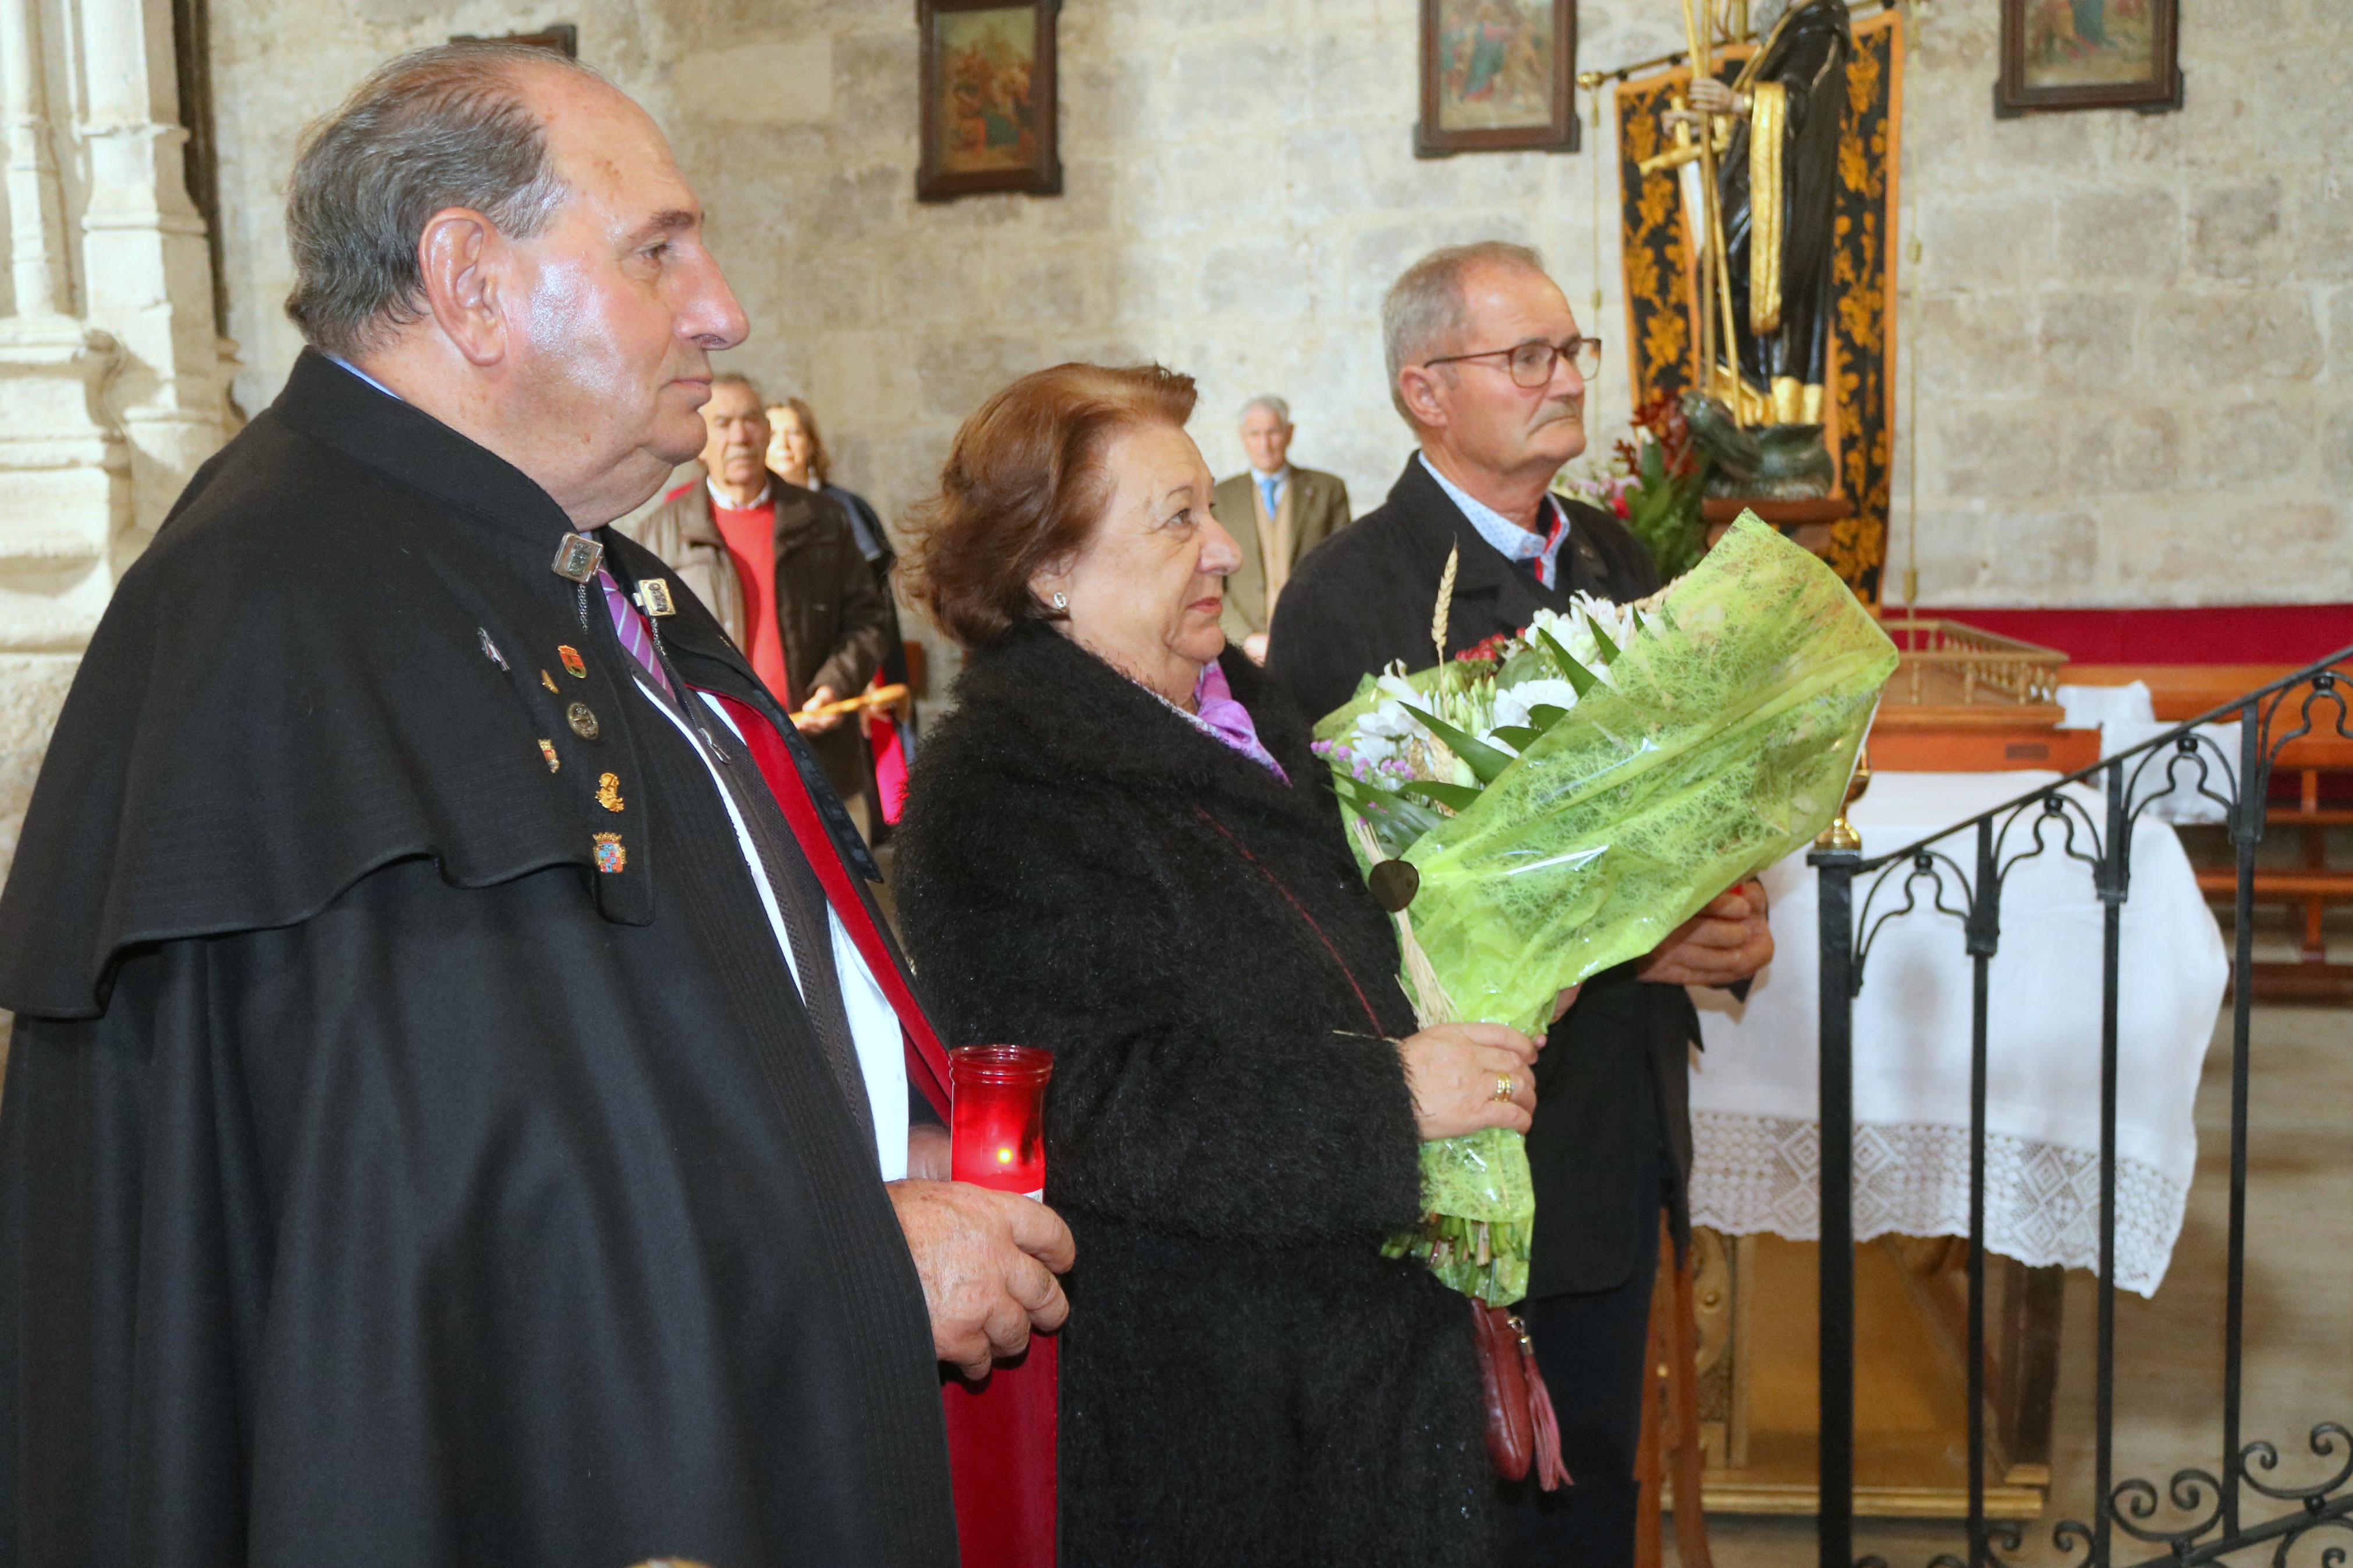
(927, 1060)
(2220, 634)
(1002, 1433)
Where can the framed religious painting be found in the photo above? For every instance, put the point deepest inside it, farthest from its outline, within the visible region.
(988, 89)
(2088, 54)
(1496, 77)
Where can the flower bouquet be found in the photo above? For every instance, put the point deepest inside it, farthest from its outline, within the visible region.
(1547, 805)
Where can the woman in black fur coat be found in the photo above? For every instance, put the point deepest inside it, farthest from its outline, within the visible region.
(1103, 856)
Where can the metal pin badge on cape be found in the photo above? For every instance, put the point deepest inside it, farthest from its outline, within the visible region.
(1394, 883)
(583, 720)
(491, 650)
(578, 558)
(574, 665)
(612, 855)
(547, 749)
(608, 791)
(653, 597)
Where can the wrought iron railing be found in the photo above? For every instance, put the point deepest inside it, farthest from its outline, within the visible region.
(1926, 877)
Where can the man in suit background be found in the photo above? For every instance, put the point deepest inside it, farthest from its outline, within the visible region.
(1487, 363)
(1276, 513)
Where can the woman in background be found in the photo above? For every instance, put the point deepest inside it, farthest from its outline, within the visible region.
(796, 450)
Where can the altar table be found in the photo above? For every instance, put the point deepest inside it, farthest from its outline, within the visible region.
(1755, 1092)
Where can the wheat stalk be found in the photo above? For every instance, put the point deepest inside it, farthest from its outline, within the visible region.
(1432, 1005)
(1445, 602)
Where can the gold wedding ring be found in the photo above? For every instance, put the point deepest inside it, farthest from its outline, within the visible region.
(1503, 1087)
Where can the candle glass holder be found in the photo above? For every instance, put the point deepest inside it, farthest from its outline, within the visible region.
(996, 1132)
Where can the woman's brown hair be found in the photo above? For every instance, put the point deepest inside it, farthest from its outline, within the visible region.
(1024, 486)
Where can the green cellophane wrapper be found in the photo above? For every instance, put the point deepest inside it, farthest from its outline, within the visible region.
(1723, 742)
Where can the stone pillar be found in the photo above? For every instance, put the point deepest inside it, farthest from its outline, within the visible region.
(147, 273)
(113, 374)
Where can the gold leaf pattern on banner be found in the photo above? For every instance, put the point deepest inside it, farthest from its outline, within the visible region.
(1657, 263)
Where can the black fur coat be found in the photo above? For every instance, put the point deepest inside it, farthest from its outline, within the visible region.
(1245, 1379)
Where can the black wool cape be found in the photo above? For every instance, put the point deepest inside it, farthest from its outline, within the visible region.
(1245, 1379)
(414, 1150)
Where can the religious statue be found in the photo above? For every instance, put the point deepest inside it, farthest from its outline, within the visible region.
(1767, 154)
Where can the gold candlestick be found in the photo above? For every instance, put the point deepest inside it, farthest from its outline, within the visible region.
(1841, 833)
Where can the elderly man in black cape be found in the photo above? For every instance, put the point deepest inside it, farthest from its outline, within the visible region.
(1483, 359)
(457, 1111)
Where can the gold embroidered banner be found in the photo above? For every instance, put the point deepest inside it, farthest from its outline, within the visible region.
(1658, 262)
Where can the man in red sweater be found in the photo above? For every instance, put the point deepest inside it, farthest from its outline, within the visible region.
(780, 568)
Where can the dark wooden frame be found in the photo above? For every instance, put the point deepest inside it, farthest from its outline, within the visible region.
(1043, 176)
(2160, 92)
(564, 38)
(1560, 136)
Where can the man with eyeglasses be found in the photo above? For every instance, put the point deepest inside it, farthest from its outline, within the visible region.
(1488, 365)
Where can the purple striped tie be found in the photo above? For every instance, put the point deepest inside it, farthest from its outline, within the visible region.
(631, 628)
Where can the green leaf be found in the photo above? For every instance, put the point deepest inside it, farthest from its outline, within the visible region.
(1453, 797)
(1601, 641)
(1579, 679)
(1544, 715)
(1526, 663)
(1484, 760)
(1519, 737)
(1397, 822)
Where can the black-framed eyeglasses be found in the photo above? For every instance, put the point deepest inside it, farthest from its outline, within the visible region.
(1532, 364)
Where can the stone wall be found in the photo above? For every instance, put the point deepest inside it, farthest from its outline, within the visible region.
(2134, 333)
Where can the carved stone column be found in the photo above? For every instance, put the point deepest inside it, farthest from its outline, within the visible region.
(112, 373)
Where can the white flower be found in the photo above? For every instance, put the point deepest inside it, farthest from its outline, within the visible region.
(1575, 630)
(1513, 702)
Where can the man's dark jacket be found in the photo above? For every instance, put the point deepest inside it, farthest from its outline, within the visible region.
(415, 1151)
(1616, 1069)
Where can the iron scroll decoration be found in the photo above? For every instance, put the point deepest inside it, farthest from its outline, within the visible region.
(2210, 1523)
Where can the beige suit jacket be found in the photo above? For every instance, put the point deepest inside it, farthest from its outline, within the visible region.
(1314, 507)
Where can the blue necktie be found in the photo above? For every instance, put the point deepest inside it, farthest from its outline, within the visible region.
(1266, 488)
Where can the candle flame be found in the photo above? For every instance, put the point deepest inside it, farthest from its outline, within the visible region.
(1005, 1156)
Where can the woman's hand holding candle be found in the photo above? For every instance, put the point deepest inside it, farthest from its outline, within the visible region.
(988, 1261)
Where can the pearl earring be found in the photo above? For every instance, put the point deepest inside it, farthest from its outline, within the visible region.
(1062, 601)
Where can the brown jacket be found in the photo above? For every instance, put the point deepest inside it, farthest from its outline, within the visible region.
(1314, 506)
(829, 610)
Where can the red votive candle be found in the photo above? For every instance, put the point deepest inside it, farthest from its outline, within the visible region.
(997, 1129)
(1001, 1431)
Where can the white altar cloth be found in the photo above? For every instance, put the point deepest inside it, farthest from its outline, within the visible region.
(1755, 1100)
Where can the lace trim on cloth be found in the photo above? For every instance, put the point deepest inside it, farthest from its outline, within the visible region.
(1756, 1174)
